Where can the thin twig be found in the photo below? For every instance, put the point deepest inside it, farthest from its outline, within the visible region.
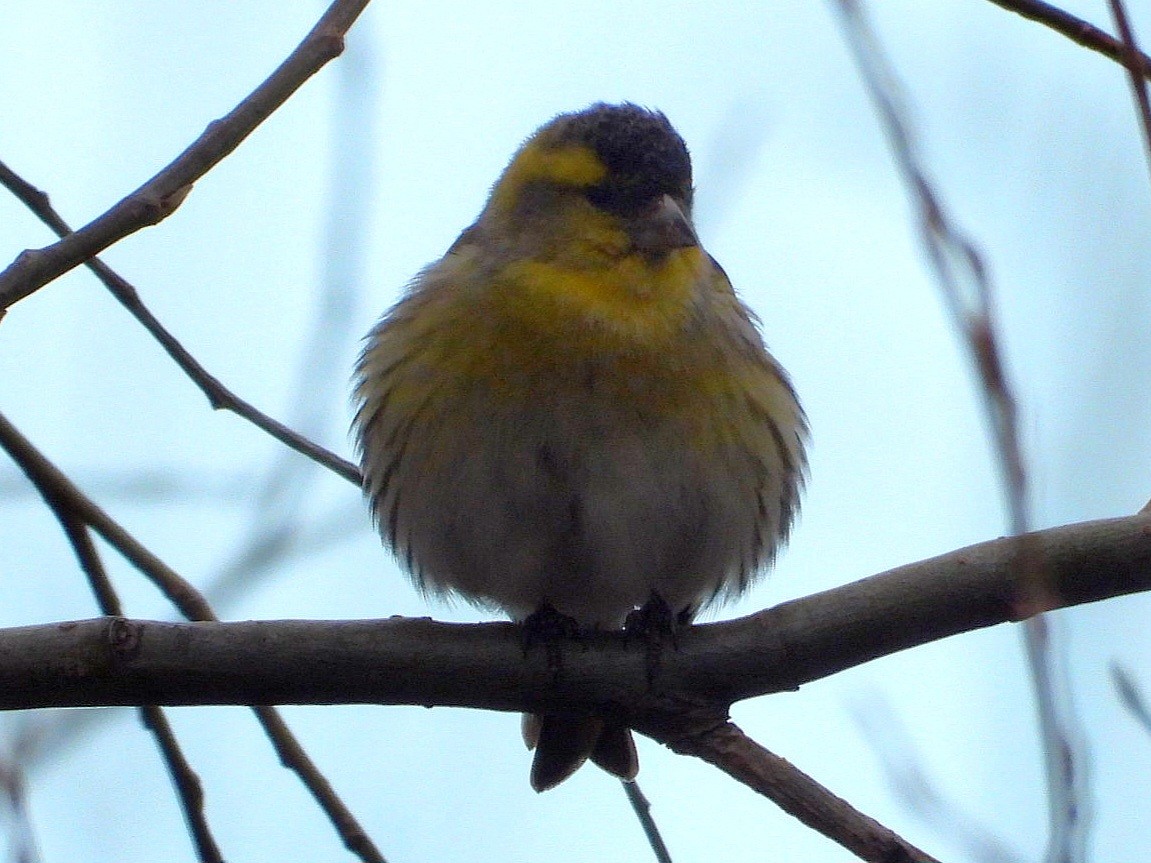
(642, 808)
(1131, 59)
(1131, 696)
(188, 786)
(797, 794)
(966, 285)
(294, 758)
(80, 539)
(189, 789)
(159, 197)
(1076, 29)
(23, 846)
(57, 488)
(219, 396)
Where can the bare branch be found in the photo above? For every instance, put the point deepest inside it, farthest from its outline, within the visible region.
(295, 758)
(419, 661)
(1131, 59)
(219, 396)
(189, 790)
(113, 661)
(642, 809)
(65, 498)
(320, 380)
(797, 794)
(159, 197)
(963, 277)
(1131, 696)
(63, 495)
(14, 810)
(1076, 29)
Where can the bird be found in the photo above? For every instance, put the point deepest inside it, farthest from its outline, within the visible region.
(573, 412)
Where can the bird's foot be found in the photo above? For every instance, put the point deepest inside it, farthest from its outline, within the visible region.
(657, 626)
(549, 628)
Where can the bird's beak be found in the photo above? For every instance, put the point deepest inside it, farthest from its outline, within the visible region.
(662, 228)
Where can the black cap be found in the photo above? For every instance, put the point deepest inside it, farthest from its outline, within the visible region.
(645, 157)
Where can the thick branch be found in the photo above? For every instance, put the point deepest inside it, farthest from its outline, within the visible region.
(420, 661)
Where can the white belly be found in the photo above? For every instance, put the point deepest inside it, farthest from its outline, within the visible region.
(588, 511)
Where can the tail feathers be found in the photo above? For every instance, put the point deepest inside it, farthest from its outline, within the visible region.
(563, 742)
(615, 752)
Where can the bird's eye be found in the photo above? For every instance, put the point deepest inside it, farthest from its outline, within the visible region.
(621, 198)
